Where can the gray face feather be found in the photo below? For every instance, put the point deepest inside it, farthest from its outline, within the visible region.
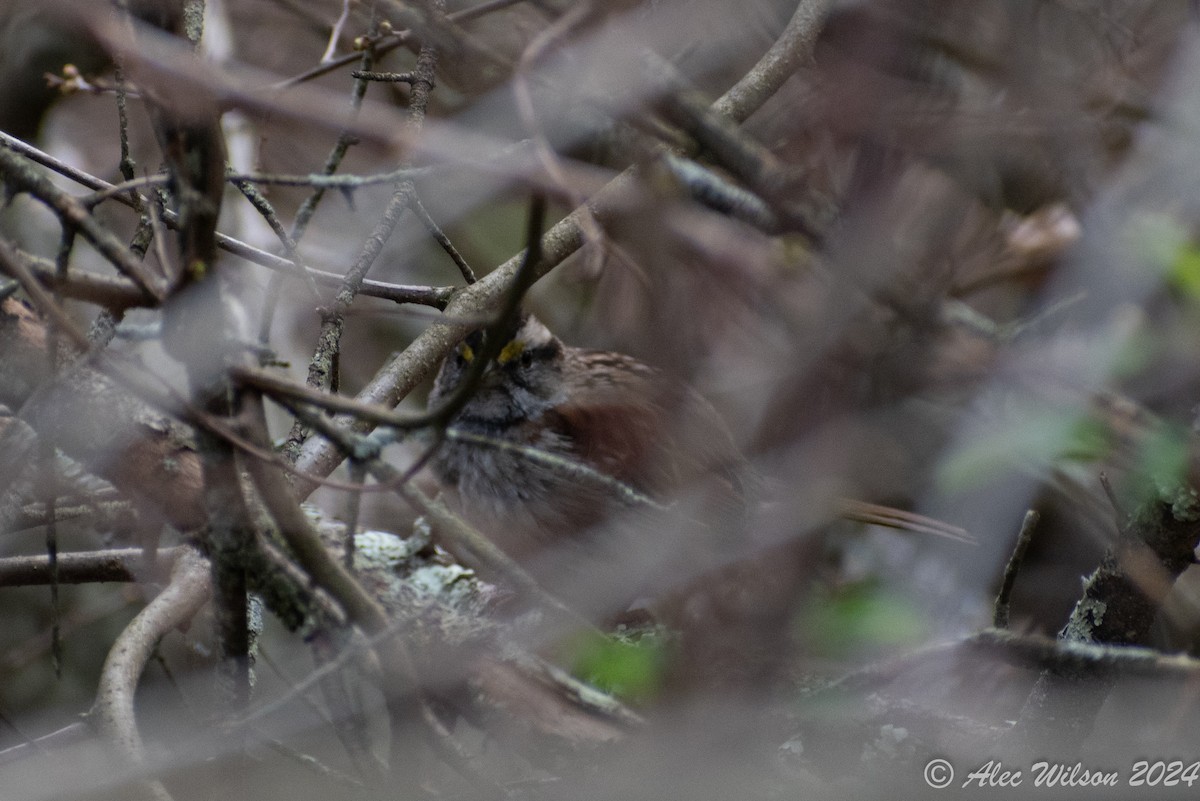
(523, 382)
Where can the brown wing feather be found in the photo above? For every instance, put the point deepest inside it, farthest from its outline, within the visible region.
(646, 430)
(619, 440)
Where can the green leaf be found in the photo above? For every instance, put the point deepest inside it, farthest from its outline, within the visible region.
(630, 665)
(1184, 272)
(861, 617)
(1044, 435)
(1165, 243)
(1163, 456)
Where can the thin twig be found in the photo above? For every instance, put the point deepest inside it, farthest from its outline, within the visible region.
(439, 235)
(336, 33)
(1024, 537)
(263, 206)
(383, 77)
(1118, 514)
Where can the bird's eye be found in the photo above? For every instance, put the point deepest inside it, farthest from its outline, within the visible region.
(526, 358)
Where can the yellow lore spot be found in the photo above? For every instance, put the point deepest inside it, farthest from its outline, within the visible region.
(511, 351)
(468, 353)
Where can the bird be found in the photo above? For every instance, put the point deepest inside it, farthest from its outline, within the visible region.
(570, 458)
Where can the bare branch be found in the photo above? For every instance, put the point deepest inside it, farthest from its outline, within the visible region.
(85, 567)
(790, 51)
(115, 716)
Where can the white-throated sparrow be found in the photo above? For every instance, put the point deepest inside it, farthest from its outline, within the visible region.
(613, 482)
(556, 440)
